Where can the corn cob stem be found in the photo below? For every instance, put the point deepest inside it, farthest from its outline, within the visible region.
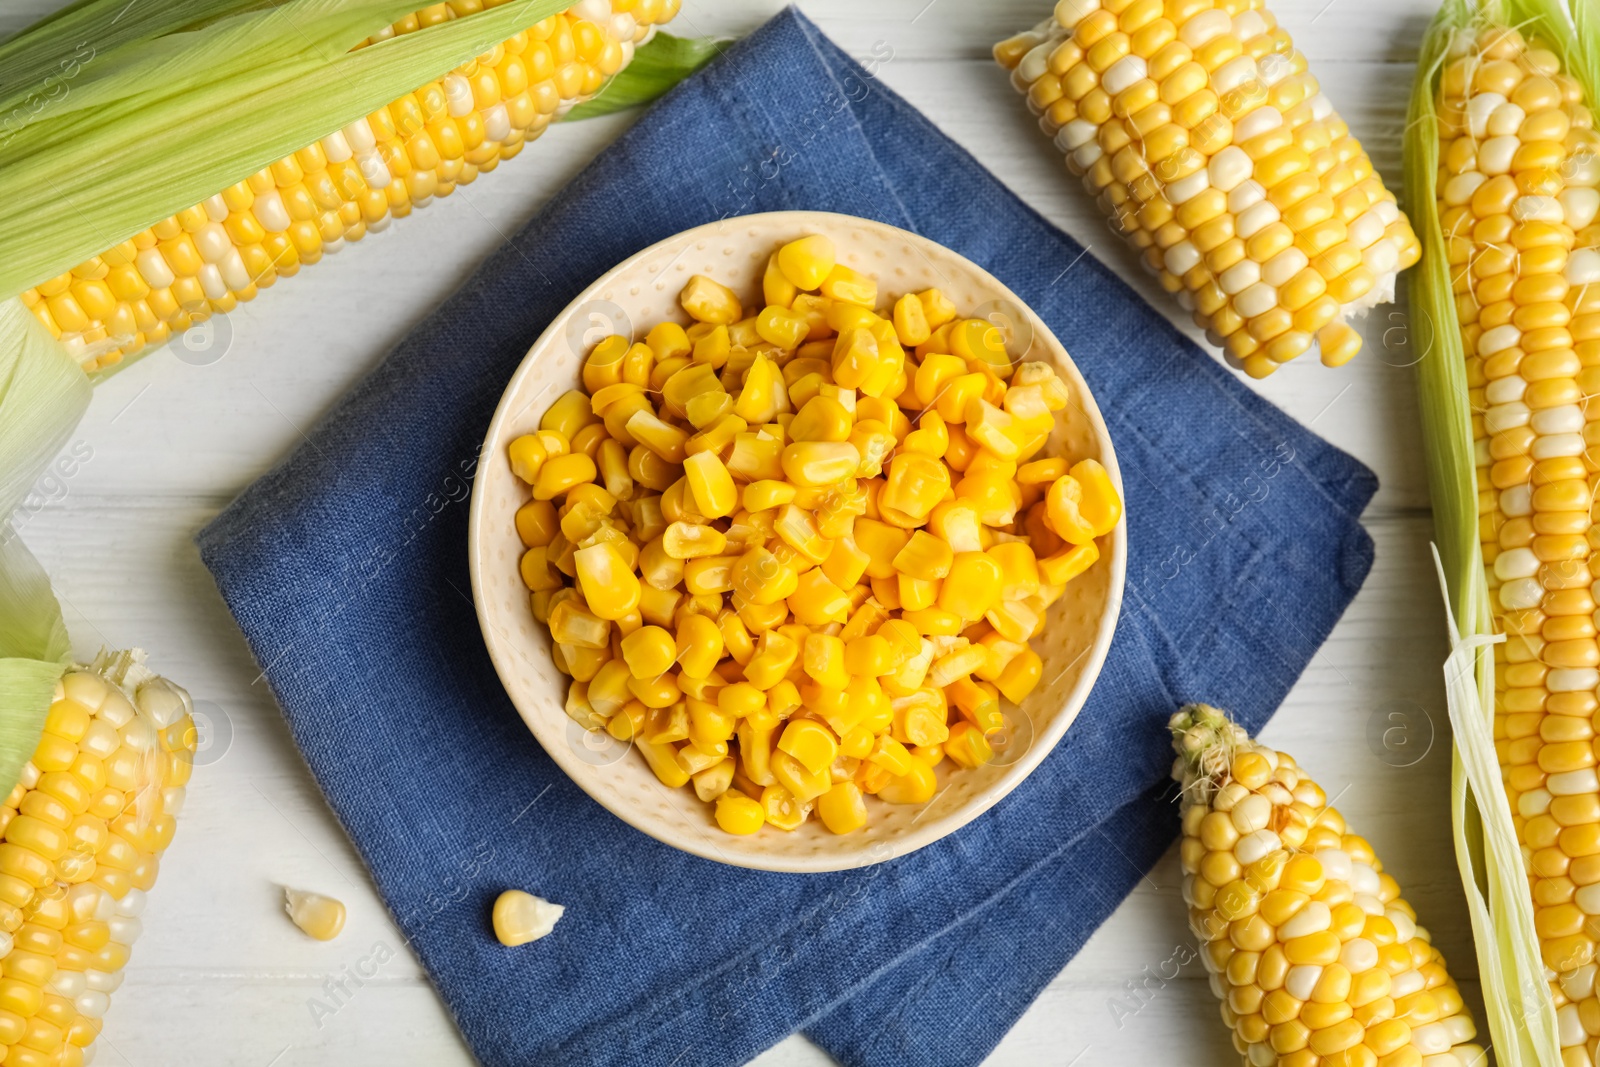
(1316, 957)
(1209, 146)
(210, 257)
(1517, 202)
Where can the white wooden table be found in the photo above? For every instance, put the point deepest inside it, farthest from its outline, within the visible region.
(221, 979)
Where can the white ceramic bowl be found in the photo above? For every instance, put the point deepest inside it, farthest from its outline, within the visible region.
(632, 297)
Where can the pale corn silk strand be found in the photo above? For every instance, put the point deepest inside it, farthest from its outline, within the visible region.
(1486, 577)
(206, 256)
(1207, 143)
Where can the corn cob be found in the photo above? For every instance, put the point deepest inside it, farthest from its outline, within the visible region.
(1314, 953)
(1517, 205)
(83, 833)
(1210, 148)
(210, 257)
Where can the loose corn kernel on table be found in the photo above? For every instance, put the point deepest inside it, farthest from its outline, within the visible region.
(168, 443)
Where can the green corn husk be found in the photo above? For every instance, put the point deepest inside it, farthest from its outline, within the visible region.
(114, 154)
(1517, 1001)
(42, 396)
(656, 67)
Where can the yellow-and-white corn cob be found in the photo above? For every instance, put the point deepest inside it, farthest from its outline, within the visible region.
(83, 832)
(1210, 147)
(1517, 202)
(215, 254)
(1317, 959)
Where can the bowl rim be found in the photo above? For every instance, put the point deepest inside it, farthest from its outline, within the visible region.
(1072, 703)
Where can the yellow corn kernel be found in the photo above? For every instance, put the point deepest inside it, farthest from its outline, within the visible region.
(967, 746)
(775, 654)
(868, 656)
(916, 786)
(698, 646)
(972, 587)
(924, 557)
(1021, 676)
(911, 321)
(765, 494)
(557, 474)
(527, 455)
(776, 289)
(569, 414)
(808, 262)
(842, 809)
(609, 585)
(714, 492)
(891, 755)
(686, 540)
(915, 486)
(818, 463)
(783, 809)
(663, 761)
(822, 418)
(812, 743)
(1100, 505)
(781, 327)
(520, 917)
(1067, 564)
(714, 781)
(649, 651)
(738, 814)
(824, 661)
(847, 286)
(803, 783)
(321, 917)
(707, 300)
(796, 528)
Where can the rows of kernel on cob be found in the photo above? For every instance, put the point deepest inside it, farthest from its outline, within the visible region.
(797, 556)
(209, 257)
(1517, 202)
(83, 833)
(1210, 147)
(1316, 957)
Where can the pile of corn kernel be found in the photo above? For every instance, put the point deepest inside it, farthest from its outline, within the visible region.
(795, 557)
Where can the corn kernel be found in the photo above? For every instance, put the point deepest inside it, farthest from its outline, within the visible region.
(321, 917)
(807, 262)
(842, 808)
(520, 917)
(738, 814)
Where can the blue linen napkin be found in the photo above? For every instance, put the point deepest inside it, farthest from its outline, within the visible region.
(345, 568)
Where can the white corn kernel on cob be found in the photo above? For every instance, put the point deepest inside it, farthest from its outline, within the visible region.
(210, 257)
(1210, 147)
(83, 833)
(1517, 201)
(1316, 957)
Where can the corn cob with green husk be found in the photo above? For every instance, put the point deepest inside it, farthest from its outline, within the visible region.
(83, 833)
(1210, 147)
(214, 254)
(1316, 957)
(1503, 150)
